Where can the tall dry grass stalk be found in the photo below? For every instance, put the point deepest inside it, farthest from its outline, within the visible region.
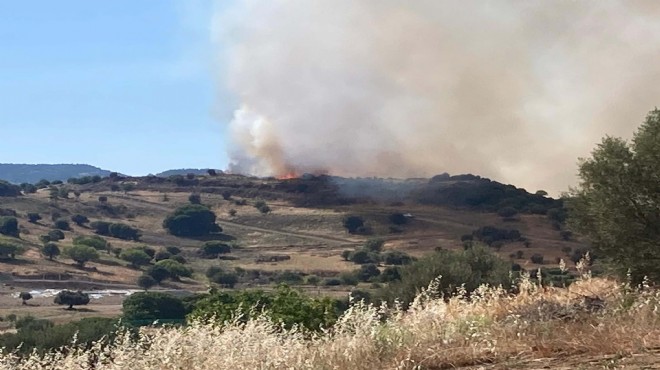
(491, 326)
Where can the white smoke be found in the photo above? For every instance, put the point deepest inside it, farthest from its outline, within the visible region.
(512, 90)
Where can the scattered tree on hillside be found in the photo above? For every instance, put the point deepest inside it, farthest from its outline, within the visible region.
(9, 226)
(212, 249)
(62, 224)
(71, 298)
(353, 223)
(93, 241)
(147, 307)
(262, 207)
(33, 217)
(25, 296)
(50, 250)
(146, 281)
(55, 235)
(9, 190)
(192, 220)
(79, 219)
(8, 251)
(136, 257)
(81, 254)
(195, 199)
(175, 269)
(616, 202)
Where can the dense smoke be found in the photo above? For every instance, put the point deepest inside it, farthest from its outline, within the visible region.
(515, 91)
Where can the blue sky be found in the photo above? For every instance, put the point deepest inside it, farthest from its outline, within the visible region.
(124, 85)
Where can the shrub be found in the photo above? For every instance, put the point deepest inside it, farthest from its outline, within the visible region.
(146, 281)
(158, 273)
(175, 269)
(367, 272)
(55, 235)
(101, 227)
(226, 195)
(347, 255)
(398, 218)
(33, 217)
(507, 212)
(363, 256)
(79, 219)
(348, 278)
(286, 306)
(397, 258)
(143, 308)
(212, 249)
(50, 250)
(537, 258)
(136, 257)
(82, 254)
(468, 268)
(123, 231)
(103, 199)
(173, 250)
(289, 277)
(44, 239)
(8, 251)
(71, 298)
(9, 190)
(25, 296)
(332, 282)
(313, 280)
(192, 220)
(162, 255)
(195, 199)
(62, 224)
(224, 279)
(566, 235)
(93, 241)
(374, 245)
(353, 223)
(390, 274)
(9, 226)
(262, 206)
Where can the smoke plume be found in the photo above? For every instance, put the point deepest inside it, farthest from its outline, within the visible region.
(511, 90)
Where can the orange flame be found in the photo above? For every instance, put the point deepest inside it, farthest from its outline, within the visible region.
(288, 176)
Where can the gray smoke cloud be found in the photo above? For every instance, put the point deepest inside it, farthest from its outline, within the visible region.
(511, 90)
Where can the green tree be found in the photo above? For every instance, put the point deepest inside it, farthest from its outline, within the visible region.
(71, 298)
(146, 281)
(214, 248)
(93, 241)
(62, 224)
(50, 250)
(192, 220)
(9, 226)
(25, 296)
(8, 250)
(33, 217)
(123, 231)
(55, 235)
(158, 272)
(195, 199)
(175, 269)
(136, 257)
(79, 219)
(616, 202)
(353, 223)
(143, 308)
(82, 254)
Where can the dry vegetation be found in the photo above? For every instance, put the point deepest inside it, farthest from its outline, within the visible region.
(493, 329)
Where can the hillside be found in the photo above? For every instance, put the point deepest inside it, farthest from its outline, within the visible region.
(32, 173)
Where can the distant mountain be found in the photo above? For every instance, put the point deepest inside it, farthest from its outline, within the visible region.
(185, 171)
(32, 173)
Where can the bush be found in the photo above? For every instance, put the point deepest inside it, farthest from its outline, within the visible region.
(79, 219)
(390, 274)
(374, 245)
(224, 279)
(192, 220)
(55, 235)
(468, 268)
(353, 223)
(289, 277)
(71, 298)
(33, 217)
(143, 308)
(226, 195)
(24, 296)
(123, 231)
(367, 272)
(146, 281)
(9, 226)
(175, 269)
(8, 251)
(50, 250)
(537, 258)
(136, 257)
(313, 280)
(173, 250)
(93, 241)
(9, 190)
(286, 306)
(398, 218)
(348, 278)
(262, 206)
(397, 258)
(162, 255)
(195, 199)
(101, 227)
(158, 273)
(507, 212)
(82, 254)
(363, 256)
(212, 249)
(332, 282)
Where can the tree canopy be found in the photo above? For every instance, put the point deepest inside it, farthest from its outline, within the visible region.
(192, 220)
(616, 202)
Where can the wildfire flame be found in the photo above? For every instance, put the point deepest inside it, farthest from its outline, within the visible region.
(288, 175)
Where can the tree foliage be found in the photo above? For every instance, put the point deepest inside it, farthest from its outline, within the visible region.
(192, 220)
(143, 308)
(82, 254)
(50, 250)
(135, 256)
(616, 202)
(9, 226)
(71, 298)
